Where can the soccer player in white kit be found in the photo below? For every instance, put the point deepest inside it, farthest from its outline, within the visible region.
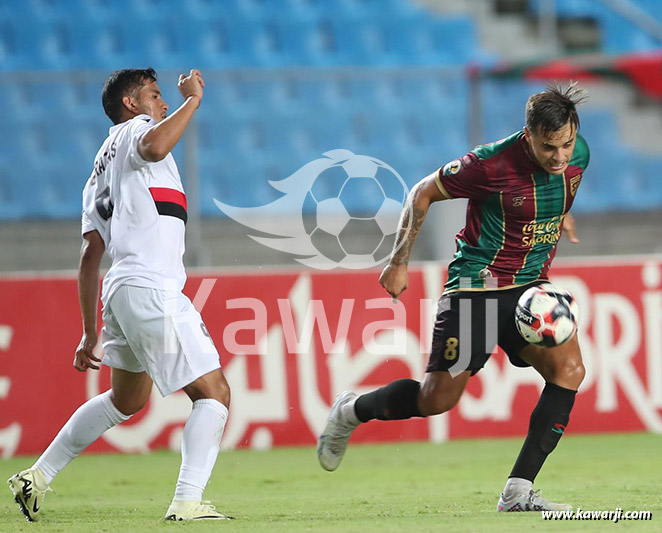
(134, 208)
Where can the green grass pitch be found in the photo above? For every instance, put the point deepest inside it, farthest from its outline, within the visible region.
(396, 487)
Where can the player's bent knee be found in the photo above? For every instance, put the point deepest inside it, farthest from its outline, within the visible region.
(129, 407)
(225, 394)
(210, 386)
(440, 392)
(430, 406)
(570, 374)
(576, 373)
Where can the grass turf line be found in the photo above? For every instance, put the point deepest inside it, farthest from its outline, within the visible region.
(396, 487)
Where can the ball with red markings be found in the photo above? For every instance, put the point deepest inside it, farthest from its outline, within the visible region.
(546, 315)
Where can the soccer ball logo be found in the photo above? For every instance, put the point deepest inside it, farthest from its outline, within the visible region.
(356, 205)
(355, 202)
(546, 315)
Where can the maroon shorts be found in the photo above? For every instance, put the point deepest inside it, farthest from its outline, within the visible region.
(470, 324)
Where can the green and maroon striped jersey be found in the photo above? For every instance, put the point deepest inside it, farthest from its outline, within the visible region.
(514, 216)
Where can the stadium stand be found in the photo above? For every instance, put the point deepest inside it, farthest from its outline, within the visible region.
(265, 116)
(619, 35)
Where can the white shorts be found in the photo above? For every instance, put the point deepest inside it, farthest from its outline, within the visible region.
(158, 332)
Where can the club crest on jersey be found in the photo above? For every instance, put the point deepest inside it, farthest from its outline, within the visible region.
(574, 183)
(518, 201)
(452, 168)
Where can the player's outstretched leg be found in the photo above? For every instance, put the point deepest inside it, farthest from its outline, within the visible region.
(85, 426)
(29, 488)
(396, 401)
(342, 420)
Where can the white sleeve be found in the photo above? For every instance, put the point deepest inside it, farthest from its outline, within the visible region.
(141, 125)
(87, 224)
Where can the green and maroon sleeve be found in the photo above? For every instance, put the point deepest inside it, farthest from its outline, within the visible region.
(464, 178)
(582, 155)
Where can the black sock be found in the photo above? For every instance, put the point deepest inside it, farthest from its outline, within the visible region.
(548, 421)
(396, 401)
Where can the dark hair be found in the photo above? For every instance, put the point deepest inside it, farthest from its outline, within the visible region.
(550, 110)
(122, 83)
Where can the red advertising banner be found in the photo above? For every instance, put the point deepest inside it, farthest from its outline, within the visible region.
(290, 341)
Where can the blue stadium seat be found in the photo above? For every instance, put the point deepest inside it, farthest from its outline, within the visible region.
(600, 129)
(648, 184)
(652, 7)
(318, 93)
(96, 9)
(619, 35)
(12, 57)
(329, 134)
(243, 182)
(260, 122)
(218, 135)
(362, 8)
(603, 183)
(306, 42)
(592, 195)
(10, 138)
(571, 8)
(436, 93)
(622, 36)
(593, 8)
(105, 45)
(14, 189)
(503, 106)
(422, 40)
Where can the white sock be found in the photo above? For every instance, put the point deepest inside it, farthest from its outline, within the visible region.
(349, 414)
(86, 425)
(517, 485)
(200, 445)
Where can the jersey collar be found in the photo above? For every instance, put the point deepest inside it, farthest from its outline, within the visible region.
(143, 117)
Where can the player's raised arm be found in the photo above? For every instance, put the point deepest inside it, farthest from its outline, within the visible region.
(88, 293)
(394, 277)
(159, 141)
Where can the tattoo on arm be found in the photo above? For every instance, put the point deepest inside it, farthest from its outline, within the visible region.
(409, 226)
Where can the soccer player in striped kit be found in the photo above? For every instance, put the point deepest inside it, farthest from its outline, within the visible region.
(134, 208)
(520, 190)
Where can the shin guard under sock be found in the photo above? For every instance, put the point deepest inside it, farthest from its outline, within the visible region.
(396, 401)
(200, 445)
(548, 421)
(85, 426)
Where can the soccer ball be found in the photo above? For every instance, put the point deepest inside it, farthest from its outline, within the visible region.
(546, 315)
(356, 205)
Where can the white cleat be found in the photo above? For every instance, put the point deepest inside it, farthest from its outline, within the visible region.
(29, 488)
(531, 501)
(332, 443)
(190, 510)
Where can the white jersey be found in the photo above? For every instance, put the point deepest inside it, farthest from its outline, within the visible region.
(139, 209)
